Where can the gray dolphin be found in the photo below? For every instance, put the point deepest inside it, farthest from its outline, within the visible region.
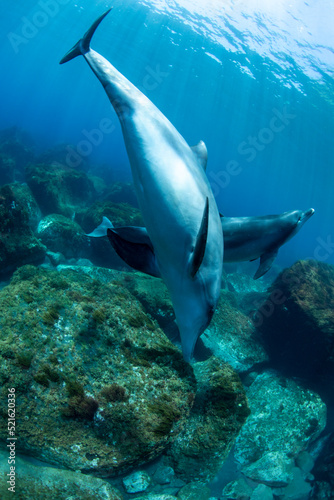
(245, 239)
(250, 238)
(171, 185)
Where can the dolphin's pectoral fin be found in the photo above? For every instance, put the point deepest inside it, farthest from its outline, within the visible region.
(201, 154)
(137, 255)
(101, 230)
(266, 261)
(199, 250)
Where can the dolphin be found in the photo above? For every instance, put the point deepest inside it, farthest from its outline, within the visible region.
(245, 239)
(250, 238)
(171, 185)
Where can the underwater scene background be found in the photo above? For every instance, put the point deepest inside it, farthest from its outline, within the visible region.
(100, 384)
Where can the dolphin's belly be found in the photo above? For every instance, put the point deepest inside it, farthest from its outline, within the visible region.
(170, 187)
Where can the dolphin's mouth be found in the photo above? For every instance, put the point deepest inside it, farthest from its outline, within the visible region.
(306, 215)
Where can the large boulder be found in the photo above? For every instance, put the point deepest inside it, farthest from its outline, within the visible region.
(18, 214)
(38, 482)
(285, 418)
(59, 189)
(99, 388)
(297, 321)
(63, 235)
(220, 409)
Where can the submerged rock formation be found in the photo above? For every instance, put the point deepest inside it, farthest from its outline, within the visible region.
(99, 387)
(63, 235)
(59, 189)
(285, 418)
(232, 336)
(297, 321)
(38, 482)
(18, 245)
(219, 411)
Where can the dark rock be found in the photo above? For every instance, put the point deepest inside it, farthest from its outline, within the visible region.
(62, 235)
(65, 339)
(59, 189)
(297, 321)
(18, 245)
(121, 192)
(324, 472)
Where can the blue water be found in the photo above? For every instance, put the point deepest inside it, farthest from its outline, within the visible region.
(252, 78)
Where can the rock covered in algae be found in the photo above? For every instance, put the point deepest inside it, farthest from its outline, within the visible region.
(285, 418)
(99, 388)
(120, 214)
(38, 482)
(297, 321)
(136, 482)
(59, 189)
(232, 337)
(18, 245)
(219, 411)
(63, 235)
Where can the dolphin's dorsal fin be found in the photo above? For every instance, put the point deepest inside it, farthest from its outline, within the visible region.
(266, 261)
(101, 230)
(201, 154)
(199, 250)
(138, 255)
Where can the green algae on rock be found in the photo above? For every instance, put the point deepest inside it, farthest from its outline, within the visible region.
(63, 414)
(63, 235)
(18, 245)
(59, 189)
(219, 411)
(120, 214)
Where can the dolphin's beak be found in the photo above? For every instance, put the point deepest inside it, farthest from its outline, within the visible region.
(306, 215)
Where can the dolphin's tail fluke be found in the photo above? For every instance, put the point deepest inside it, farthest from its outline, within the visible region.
(83, 45)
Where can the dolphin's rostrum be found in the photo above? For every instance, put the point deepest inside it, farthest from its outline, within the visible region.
(171, 186)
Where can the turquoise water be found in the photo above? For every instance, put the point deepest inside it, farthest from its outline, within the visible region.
(253, 79)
